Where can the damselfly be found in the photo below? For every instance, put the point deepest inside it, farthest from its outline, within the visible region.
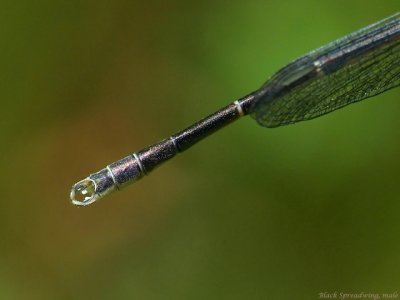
(358, 66)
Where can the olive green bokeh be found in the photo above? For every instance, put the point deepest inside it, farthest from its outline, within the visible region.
(249, 213)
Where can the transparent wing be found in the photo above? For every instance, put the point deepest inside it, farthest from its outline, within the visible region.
(371, 75)
(362, 77)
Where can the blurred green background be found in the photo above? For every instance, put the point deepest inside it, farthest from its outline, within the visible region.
(249, 213)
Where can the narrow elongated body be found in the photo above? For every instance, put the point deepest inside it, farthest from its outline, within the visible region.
(355, 67)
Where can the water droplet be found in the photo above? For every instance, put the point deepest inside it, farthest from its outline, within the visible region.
(83, 192)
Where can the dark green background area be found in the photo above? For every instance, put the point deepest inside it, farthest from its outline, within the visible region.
(249, 213)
